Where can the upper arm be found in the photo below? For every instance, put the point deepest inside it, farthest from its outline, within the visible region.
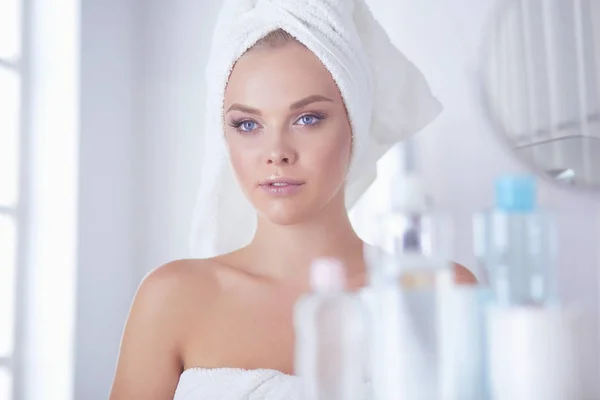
(149, 362)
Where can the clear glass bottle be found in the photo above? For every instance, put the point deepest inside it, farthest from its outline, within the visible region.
(329, 327)
(407, 268)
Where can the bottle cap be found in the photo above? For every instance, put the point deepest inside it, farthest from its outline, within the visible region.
(516, 193)
(327, 275)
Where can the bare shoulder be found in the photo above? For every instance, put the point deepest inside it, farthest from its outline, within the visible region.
(165, 289)
(173, 289)
(463, 276)
(149, 361)
(171, 282)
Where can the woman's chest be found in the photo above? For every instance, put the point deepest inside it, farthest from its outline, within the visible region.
(256, 332)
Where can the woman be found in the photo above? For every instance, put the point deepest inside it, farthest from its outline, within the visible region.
(221, 327)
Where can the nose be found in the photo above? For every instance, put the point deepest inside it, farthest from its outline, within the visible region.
(281, 153)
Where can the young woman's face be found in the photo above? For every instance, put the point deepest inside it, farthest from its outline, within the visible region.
(288, 133)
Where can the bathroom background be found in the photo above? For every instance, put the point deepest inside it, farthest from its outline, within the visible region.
(106, 172)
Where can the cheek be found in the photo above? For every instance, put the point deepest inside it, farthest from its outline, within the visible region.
(241, 161)
(332, 160)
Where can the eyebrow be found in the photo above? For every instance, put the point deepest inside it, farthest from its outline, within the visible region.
(243, 108)
(299, 104)
(308, 100)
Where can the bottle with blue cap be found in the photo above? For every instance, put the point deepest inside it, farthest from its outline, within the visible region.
(515, 244)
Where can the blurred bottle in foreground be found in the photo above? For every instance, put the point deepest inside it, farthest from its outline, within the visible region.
(515, 243)
(407, 267)
(531, 337)
(329, 326)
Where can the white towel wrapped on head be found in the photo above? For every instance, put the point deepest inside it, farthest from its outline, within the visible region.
(386, 96)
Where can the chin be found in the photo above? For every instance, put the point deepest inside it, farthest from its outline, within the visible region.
(285, 214)
(290, 217)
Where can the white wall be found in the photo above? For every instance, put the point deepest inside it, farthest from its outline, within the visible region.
(142, 98)
(109, 164)
(174, 41)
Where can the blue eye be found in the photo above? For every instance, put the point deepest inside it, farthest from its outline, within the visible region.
(309, 119)
(247, 126)
(244, 126)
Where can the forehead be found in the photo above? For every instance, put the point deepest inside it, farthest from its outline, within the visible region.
(266, 76)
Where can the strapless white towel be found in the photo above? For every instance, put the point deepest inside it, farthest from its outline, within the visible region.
(236, 384)
(240, 384)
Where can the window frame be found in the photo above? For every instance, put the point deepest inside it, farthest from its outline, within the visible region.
(17, 213)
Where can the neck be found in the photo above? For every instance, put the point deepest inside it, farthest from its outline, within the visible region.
(288, 250)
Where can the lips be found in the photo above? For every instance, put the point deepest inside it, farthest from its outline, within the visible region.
(281, 186)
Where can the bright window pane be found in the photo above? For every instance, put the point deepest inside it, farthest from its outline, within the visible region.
(9, 134)
(7, 284)
(10, 29)
(5, 383)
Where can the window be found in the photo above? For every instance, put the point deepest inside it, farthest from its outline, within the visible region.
(10, 116)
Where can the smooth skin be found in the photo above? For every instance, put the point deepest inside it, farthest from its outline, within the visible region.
(284, 116)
